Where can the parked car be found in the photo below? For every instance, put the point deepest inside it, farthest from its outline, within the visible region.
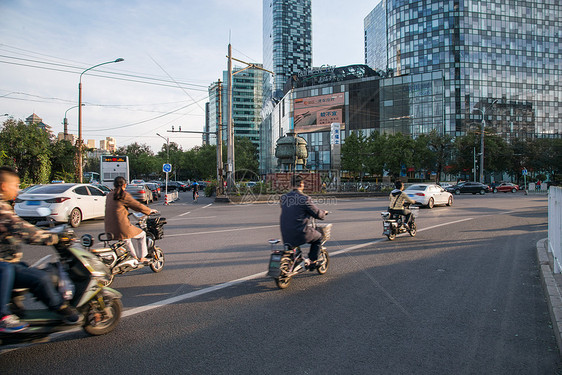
(183, 186)
(70, 203)
(155, 189)
(506, 187)
(469, 187)
(103, 188)
(429, 195)
(174, 185)
(140, 192)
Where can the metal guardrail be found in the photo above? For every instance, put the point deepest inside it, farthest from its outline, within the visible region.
(555, 226)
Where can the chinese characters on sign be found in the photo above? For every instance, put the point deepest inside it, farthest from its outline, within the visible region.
(318, 113)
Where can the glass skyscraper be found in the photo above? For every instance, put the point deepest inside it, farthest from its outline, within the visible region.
(287, 41)
(501, 57)
(376, 46)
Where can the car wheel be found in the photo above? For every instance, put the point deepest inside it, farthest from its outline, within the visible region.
(430, 203)
(482, 191)
(514, 190)
(450, 201)
(457, 192)
(495, 190)
(75, 217)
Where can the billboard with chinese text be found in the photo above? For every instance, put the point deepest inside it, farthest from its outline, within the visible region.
(317, 113)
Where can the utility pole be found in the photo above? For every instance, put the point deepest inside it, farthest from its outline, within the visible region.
(229, 128)
(220, 184)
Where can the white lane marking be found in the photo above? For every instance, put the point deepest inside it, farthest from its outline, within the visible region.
(222, 231)
(191, 218)
(188, 212)
(193, 294)
(214, 288)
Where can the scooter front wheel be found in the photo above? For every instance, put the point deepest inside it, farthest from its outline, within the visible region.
(109, 281)
(391, 236)
(322, 268)
(413, 229)
(158, 263)
(101, 321)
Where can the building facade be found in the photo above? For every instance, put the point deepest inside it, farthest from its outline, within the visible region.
(376, 46)
(358, 99)
(498, 57)
(287, 41)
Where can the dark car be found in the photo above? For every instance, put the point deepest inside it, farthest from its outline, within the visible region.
(469, 187)
(174, 185)
(155, 190)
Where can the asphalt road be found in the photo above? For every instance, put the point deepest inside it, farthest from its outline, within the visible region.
(462, 297)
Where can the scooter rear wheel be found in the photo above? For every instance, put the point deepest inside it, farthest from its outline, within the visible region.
(283, 281)
(110, 316)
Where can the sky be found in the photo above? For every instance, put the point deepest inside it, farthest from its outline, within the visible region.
(172, 50)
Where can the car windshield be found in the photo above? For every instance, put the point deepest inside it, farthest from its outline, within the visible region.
(416, 187)
(135, 187)
(49, 189)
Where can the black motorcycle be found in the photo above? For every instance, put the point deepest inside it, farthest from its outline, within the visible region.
(116, 255)
(79, 277)
(393, 223)
(286, 263)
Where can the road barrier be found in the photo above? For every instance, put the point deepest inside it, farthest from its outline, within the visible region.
(555, 226)
(170, 197)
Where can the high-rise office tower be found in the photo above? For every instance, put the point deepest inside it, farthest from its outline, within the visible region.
(287, 41)
(376, 46)
(498, 57)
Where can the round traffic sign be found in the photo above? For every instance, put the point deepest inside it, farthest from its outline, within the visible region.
(167, 167)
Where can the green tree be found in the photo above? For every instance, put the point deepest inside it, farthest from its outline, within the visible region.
(62, 161)
(246, 156)
(27, 148)
(398, 153)
(353, 154)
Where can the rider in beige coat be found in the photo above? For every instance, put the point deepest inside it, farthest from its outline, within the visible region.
(117, 204)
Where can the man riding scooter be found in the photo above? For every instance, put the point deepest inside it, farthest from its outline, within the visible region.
(397, 200)
(297, 210)
(17, 274)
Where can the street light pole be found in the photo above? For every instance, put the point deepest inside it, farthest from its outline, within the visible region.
(65, 122)
(167, 139)
(483, 111)
(79, 142)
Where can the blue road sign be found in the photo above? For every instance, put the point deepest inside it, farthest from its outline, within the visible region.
(524, 172)
(167, 167)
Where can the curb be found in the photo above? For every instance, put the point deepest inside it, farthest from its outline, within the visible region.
(552, 291)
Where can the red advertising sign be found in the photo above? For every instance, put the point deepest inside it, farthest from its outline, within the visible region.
(317, 113)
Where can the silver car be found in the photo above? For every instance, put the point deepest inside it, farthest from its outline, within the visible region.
(140, 192)
(68, 203)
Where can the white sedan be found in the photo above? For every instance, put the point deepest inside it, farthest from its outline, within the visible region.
(429, 195)
(68, 203)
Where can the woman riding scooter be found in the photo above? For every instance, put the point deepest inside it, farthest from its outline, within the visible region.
(117, 205)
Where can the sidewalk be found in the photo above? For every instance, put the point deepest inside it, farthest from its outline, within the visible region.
(552, 286)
